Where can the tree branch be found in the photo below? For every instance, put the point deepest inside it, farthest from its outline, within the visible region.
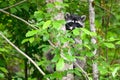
(3, 11)
(21, 52)
(14, 5)
(85, 74)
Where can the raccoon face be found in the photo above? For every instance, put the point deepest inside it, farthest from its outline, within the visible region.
(74, 21)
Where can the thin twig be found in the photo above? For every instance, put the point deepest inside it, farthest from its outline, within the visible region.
(86, 75)
(51, 44)
(14, 5)
(21, 52)
(108, 11)
(3, 11)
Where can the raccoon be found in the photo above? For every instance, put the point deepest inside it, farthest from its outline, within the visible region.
(74, 21)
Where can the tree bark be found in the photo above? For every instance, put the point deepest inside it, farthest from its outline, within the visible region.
(60, 16)
(93, 40)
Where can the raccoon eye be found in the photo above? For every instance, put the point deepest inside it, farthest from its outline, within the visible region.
(80, 23)
(68, 21)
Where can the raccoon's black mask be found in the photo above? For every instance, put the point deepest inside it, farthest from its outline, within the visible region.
(74, 21)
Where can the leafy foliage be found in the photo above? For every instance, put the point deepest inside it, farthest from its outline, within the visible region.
(49, 38)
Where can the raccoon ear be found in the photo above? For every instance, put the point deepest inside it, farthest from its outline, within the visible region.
(83, 17)
(67, 15)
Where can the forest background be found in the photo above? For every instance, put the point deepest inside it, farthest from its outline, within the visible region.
(29, 29)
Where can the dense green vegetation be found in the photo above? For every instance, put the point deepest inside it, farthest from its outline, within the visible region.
(42, 34)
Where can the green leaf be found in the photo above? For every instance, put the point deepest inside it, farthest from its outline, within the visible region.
(13, 10)
(112, 39)
(39, 15)
(46, 37)
(19, 8)
(50, 5)
(85, 31)
(24, 41)
(56, 58)
(46, 24)
(55, 75)
(103, 69)
(63, 40)
(89, 54)
(87, 46)
(69, 57)
(115, 71)
(88, 32)
(76, 32)
(31, 78)
(2, 75)
(56, 24)
(3, 50)
(3, 69)
(31, 39)
(31, 33)
(80, 57)
(93, 34)
(77, 71)
(109, 45)
(60, 64)
(25, 6)
(118, 43)
(45, 48)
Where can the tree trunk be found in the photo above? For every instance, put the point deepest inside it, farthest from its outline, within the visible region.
(60, 16)
(93, 40)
